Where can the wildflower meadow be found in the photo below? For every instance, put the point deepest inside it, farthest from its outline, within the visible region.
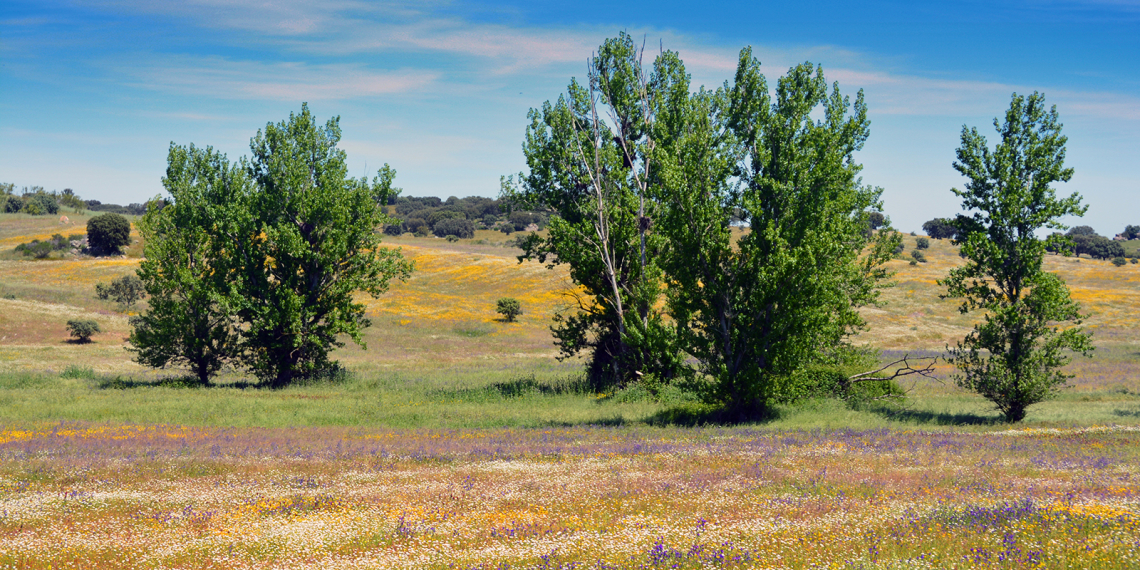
(97, 496)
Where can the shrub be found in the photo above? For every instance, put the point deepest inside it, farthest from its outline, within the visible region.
(452, 238)
(922, 243)
(918, 256)
(1135, 261)
(36, 248)
(11, 204)
(394, 229)
(461, 228)
(126, 290)
(109, 232)
(44, 204)
(876, 220)
(82, 329)
(1118, 261)
(509, 308)
(898, 249)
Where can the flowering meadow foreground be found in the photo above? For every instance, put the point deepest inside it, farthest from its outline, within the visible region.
(146, 496)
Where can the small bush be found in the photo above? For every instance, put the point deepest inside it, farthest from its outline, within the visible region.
(922, 243)
(918, 256)
(78, 372)
(1118, 261)
(1134, 261)
(82, 330)
(11, 204)
(898, 249)
(43, 249)
(44, 204)
(509, 308)
(126, 290)
(108, 233)
(452, 238)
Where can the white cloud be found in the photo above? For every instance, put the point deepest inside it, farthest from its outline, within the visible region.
(283, 81)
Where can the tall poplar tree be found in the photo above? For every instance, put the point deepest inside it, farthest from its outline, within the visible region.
(785, 295)
(590, 162)
(1014, 357)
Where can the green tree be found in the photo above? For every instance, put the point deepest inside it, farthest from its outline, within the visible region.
(108, 233)
(784, 296)
(82, 329)
(940, 228)
(1013, 358)
(190, 268)
(308, 241)
(126, 291)
(589, 160)
(509, 308)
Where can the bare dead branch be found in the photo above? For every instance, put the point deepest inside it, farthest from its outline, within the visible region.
(926, 370)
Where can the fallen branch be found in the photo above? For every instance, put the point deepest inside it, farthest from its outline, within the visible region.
(926, 371)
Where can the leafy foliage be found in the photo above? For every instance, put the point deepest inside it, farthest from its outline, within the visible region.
(589, 156)
(922, 243)
(43, 249)
(785, 296)
(258, 263)
(940, 228)
(190, 269)
(1096, 247)
(1014, 357)
(509, 308)
(460, 228)
(108, 233)
(307, 242)
(126, 291)
(82, 329)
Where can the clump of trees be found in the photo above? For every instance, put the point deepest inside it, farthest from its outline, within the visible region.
(256, 263)
(647, 179)
(1014, 357)
(34, 201)
(459, 217)
(1083, 240)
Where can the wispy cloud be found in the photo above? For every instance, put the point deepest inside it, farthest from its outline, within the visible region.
(285, 81)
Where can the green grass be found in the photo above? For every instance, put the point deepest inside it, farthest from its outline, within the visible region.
(527, 393)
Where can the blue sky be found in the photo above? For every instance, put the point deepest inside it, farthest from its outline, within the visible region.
(93, 92)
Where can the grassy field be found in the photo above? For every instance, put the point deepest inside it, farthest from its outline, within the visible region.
(459, 441)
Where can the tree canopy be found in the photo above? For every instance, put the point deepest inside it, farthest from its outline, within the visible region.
(1013, 358)
(261, 259)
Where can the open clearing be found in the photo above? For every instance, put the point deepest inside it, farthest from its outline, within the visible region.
(459, 441)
